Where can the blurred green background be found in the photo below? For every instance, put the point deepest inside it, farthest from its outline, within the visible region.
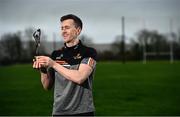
(120, 89)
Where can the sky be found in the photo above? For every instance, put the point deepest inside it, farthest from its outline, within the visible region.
(101, 18)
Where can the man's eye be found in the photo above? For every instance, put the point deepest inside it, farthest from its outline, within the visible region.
(65, 28)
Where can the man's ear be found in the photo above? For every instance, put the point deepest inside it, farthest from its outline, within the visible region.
(79, 30)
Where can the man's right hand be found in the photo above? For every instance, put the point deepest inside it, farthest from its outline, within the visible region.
(36, 64)
(39, 66)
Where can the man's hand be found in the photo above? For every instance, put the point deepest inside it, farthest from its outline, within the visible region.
(42, 61)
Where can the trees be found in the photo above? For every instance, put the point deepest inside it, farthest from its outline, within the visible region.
(118, 48)
(154, 44)
(149, 43)
(18, 47)
(11, 48)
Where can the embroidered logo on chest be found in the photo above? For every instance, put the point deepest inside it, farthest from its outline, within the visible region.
(59, 57)
(78, 56)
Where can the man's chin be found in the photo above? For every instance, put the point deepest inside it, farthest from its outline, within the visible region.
(66, 40)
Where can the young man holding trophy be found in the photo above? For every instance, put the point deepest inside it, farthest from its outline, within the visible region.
(70, 70)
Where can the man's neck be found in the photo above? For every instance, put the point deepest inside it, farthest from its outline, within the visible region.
(72, 43)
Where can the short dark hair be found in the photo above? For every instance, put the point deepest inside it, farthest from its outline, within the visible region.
(77, 20)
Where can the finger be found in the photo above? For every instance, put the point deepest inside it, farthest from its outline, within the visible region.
(41, 61)
(34, 64)
(37, 65)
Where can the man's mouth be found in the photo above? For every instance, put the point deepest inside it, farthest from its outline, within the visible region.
(65, 35)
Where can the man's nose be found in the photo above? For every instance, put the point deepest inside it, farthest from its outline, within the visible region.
(63, 30)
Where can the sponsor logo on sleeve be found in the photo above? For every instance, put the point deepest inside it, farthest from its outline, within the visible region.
(91, 62)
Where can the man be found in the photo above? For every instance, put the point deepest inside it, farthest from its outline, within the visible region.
(70, 70)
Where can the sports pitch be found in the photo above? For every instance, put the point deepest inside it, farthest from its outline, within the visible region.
(119, 89)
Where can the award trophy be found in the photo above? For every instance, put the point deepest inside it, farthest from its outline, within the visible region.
(37, 35)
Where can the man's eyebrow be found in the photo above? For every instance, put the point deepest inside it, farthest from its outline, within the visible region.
(65, 26)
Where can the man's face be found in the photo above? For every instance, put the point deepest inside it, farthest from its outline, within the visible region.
(69, 31)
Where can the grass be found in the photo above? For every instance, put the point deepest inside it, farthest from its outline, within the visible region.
(119, 89)
(22, 93)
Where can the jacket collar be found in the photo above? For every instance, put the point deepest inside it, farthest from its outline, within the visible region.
(73, 47)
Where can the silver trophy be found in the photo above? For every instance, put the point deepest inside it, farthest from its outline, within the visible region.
(37, 35)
